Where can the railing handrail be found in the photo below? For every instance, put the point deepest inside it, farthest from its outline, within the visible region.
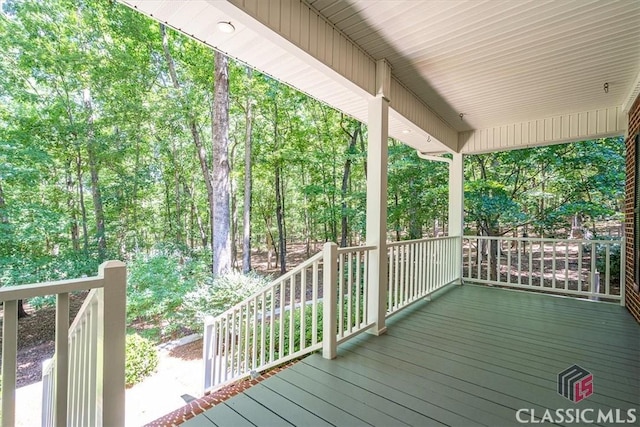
(14, 293)
(276, 282)
(208, 320)
(547, 239)
(277, 323)
(425, 239)
(348, 249)
(88, 301)
(591, 275)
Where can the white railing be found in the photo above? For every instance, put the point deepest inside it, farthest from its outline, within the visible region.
(584, 268)
(84, 340)
(290, 317)
(352, 291)
(84, 384)
(417, 268)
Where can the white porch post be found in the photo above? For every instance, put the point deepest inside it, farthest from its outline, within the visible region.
(456, 206)
(112, 357)
(377, 156)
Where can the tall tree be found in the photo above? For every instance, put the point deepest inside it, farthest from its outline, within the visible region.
(221, 219)
(248, 180)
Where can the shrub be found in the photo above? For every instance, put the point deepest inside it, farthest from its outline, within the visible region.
(158, 284)
(141, 359)
(286, 318)
(614, 260)
(211, 298)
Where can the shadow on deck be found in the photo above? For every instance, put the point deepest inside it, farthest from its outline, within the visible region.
(472, 356)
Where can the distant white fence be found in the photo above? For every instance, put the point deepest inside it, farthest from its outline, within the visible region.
(584, 268)
(319, 303)
(417, 268)
(83, 385)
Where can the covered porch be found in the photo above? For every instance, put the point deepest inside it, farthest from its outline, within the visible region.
(435, 352)
(472, 355)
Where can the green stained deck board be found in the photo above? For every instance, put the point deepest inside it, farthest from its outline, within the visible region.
(471, 356)
(463, 404)
(523, 321)
(516, 355)
(515, 345)
(618, 338)
(335, 396)
(541, 376)
(253, 411)
(284, 405)
(382, 403)
(573, 312)
(327, 412)
(512, 384)
(199, 421)
(494, 401)
(225, 416)
(399, 392)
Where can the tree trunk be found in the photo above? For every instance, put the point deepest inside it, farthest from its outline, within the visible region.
(345, 183)
(71, 206)
(200, 150)
(248, 182)
(177, 195)
(4, 217)
(307, 220)
(204, 239)
(21, 311)
(95, 184)
(221, 213)
(83, 208)
(282, 243)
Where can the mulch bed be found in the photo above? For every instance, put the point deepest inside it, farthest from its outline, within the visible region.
(36, 339)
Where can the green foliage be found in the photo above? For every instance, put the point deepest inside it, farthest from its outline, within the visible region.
(545, 187)
(297, 316)
(23, 270)
(614, 260)
(157, 286)
(212, 297)
(141, 359)
(488, 203)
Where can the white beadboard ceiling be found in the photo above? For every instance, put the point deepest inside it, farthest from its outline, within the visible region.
(498, 62)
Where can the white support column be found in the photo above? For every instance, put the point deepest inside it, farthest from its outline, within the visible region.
(377, 156)
(112, 347)
(456, 195)
(329, 300)
(456, 205)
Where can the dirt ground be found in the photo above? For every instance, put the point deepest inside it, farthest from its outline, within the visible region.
(36, 337)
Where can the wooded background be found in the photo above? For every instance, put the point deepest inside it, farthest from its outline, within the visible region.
(107, 124)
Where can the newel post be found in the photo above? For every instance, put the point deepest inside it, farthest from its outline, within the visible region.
(329, 299)
(112, 349)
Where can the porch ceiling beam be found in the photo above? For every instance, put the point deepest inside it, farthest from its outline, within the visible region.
(601, 123)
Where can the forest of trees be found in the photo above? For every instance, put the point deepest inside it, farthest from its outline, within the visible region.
(107, 129)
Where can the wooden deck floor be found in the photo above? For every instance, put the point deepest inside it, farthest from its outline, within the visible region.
(472, 356)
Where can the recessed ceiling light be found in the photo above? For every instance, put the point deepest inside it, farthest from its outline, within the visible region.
(406, 131)
(226, 27)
